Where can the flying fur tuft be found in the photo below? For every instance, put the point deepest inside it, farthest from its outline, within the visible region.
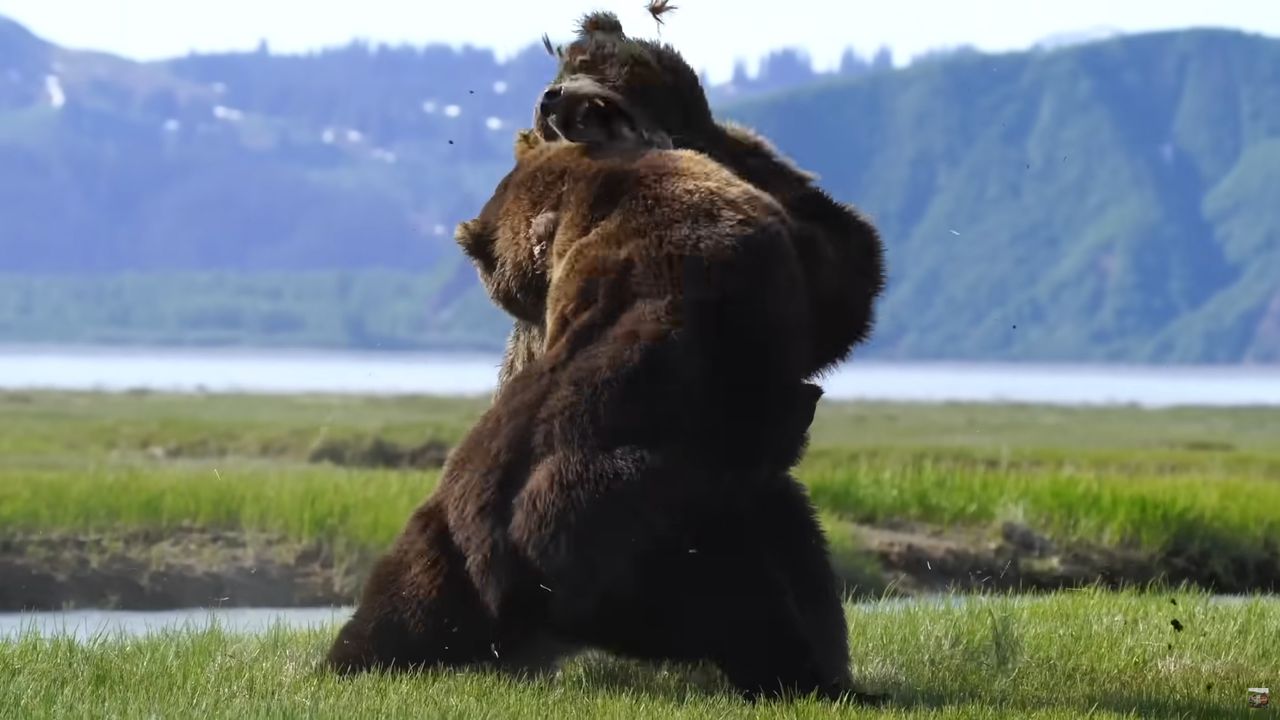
(658, 8)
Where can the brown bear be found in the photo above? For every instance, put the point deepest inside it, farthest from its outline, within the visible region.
(620, 493)
(840, 251)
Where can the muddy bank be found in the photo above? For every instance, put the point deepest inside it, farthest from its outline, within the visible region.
(175, 569)
(913, 558)
(202, 568)
(363, 452)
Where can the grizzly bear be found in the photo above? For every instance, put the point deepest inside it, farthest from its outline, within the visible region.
(622, 492)
(840, 251)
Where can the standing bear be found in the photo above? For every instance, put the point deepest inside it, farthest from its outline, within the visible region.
(839, 251)
(622, 492)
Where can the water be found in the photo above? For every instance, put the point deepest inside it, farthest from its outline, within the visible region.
(247, 371)
(87, 624)
(471, 374)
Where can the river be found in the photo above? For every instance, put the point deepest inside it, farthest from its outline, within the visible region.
(85, 625)
(88, 624)
(257, 371)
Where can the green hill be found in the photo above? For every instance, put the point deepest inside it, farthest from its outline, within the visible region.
(1113, 201)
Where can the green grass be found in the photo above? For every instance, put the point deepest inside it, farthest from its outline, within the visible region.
(75, 462)
(1086, 653)
(1143, 508)
(351, 508)
(1119, 476)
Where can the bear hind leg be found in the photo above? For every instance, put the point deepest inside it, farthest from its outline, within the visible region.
(761, 641)
(419, 607)
(726, 604)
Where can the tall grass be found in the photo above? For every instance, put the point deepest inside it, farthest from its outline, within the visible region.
(1098, 503)
(1200, 478)
(364, 508)
(368, 507)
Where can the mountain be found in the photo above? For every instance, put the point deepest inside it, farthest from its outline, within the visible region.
(1104, 201)
(1077, 37)
(354, 157)
(108, 165)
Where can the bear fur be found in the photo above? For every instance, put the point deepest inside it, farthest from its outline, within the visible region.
(840, 251)
(622, 491)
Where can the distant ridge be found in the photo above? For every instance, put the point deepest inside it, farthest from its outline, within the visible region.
(1099, 198)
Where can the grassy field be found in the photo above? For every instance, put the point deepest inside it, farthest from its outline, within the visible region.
(1086, 653)
(1197, 483)
(1194, 480)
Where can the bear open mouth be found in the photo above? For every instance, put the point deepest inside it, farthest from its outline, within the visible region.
(586, 113)
(583, 111)
(602, 117)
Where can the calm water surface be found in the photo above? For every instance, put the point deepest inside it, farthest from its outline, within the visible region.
(87, 624)
(460, 374)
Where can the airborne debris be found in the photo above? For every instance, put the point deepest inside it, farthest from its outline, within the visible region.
(658, 8)
(552, 50)
(1177, 626)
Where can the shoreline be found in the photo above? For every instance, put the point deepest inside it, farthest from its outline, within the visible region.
(156, 501)
(146, 570)
(238, 371)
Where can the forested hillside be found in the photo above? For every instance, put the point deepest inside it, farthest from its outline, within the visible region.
(1108, 201)
(1116, 201)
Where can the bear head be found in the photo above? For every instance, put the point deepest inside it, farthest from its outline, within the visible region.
(651, 80)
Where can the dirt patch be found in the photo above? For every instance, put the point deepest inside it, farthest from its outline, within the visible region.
(154, 570)
(370, 452)
(380, 453)
(920, 559)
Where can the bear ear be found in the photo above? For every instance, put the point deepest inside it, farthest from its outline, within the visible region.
(600, 23)
(477, 242)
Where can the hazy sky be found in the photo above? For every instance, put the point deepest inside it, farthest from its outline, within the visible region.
(710, 33)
